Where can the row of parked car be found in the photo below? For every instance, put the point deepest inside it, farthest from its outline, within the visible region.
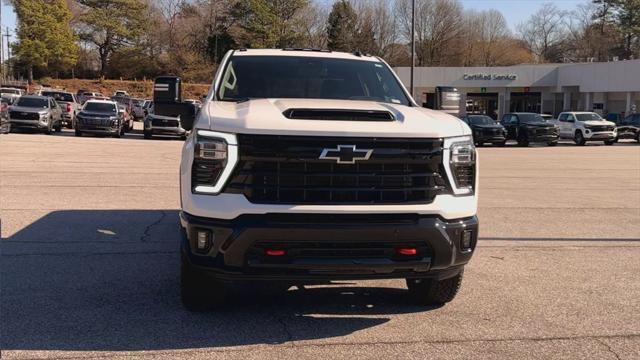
(49, 110)
(526, 128)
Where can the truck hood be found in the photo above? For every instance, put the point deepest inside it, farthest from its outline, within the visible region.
(265, 116)
(599, 123)
(28, 109)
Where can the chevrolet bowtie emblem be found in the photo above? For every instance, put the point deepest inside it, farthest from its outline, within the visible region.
(346, 154)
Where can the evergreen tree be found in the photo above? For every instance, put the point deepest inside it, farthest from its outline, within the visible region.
(45, 39)
(342, 26)
(269, 23)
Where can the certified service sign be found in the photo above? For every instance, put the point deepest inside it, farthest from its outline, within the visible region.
(482, 76)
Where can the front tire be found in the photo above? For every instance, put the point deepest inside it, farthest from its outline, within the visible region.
(552, 143)
(197, 291)
(147, 134)
(609, 142)
(523, 141)
(579, 138)
(78, 133)
(434, 292)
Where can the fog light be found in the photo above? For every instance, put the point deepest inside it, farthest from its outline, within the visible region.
(203, 239)
(465, 243)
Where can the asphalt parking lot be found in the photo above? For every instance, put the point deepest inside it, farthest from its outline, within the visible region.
(90, 267)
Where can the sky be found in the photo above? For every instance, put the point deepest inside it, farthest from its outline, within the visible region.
(515, 11)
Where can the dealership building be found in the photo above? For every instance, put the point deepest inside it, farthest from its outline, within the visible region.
(606, 88)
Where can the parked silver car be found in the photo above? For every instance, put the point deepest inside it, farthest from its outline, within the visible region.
(36, 112)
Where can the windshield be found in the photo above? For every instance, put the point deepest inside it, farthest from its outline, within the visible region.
(481, 120)
(588, 117)
(251, 77)
(59, 96)
(99, 107)
(33, 102)
(530, 118)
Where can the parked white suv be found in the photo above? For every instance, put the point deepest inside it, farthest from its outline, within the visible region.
(586, 126)
(306, 166)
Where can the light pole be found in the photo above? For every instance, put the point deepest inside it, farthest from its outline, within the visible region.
(413, 43)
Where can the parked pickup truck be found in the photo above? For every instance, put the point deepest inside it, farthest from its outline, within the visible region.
(69, 105)
(528, 128)
(584, 126)
(307, 166)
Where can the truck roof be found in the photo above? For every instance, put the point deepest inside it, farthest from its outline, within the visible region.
(306, 53)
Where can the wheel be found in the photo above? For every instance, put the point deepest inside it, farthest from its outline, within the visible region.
(118, 135)
(434, 292)
(523, 141)
(78, 133)
(147, 134)
(70, 123)
(58, 127)
(500, 144)
(609, 142)
(579, 138)
(552, 143)
(197, 291)
(47, 131)
(183, 137)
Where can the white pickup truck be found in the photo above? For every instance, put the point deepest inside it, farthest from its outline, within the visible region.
(582, 126)
(306, 166)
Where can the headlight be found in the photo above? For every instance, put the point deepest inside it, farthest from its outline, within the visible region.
(214, 157)
(460, 153)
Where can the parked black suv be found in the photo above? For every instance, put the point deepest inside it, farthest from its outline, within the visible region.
(629, 128)
(100, 117)
(526, 128)
(485, 129)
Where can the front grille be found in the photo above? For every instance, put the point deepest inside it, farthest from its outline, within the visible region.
(287, 170)
(493, 132)
(20, 115)
(165, 122)
(546, 131)
(599, 128)
(95, 121)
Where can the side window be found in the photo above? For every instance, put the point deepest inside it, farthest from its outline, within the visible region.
(513, 120)
(571, 118)
(563, 117)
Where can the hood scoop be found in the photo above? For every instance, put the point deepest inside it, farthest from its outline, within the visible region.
(339, 115)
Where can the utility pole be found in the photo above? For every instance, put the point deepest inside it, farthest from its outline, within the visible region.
(413, 42)
(7, 35)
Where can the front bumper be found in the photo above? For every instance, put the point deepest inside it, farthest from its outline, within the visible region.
(97, 129)
(602, 135)
(33, 124)
(543, 138)
(161, 130)
(329, 246)
(489, 138)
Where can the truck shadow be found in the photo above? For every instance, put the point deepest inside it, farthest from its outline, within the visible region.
(109, 280)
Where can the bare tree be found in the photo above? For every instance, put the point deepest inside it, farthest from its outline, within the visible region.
(544, 32)
(438, 29)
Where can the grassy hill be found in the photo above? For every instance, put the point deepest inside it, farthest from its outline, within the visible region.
(143, 89)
